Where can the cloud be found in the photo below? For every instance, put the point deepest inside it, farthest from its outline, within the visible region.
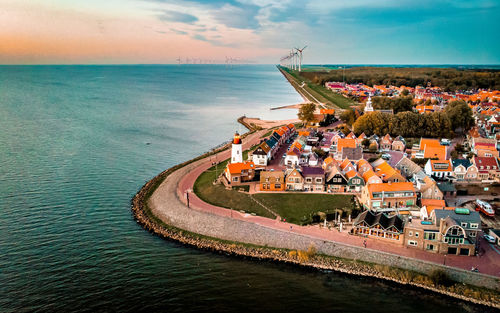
(243, 17)
(178, 32)
(175, 16)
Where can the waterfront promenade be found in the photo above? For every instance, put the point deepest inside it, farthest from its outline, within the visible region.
(169, 202)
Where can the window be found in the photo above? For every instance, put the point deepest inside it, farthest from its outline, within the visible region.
(412, 243)
(474, 225)
(429, 247)
(308, 180)
(410, 233)
(319, 180)
(430, 235)
(235, 178)
(463, 224)
(416, 234)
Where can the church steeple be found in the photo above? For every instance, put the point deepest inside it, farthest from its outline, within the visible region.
(368, 106)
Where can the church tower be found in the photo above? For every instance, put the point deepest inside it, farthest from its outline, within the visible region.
(236, 151)
(368, 106)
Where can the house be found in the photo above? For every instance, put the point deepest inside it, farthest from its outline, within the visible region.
(438, 168)
(388, 196)
(237, 173)
(371, 178)
(292, 157)
(387, 172)
(335, 180)
(313, 159)
(386, 143)
(448, 232)
(261, 154)
(314, 178)
(408, 168)
(363, 166)
(398, 144)
(352, 153)
(328, 163)
(360, 139)
(487, 168)
(346, 165)
(354, 181)
(447, 189)
(341, 144)
(464, 170)
(429, 149)
(429, 189)
(429, 205)
(379, 226)
(272, 181)
(294, 180)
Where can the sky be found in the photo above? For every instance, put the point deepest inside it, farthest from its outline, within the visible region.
(255, 31)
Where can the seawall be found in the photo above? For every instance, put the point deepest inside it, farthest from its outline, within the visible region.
(158, 208)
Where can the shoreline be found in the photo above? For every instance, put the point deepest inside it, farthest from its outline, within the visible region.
(148, 220)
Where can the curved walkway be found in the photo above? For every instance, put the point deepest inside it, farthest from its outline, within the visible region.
(169, 203)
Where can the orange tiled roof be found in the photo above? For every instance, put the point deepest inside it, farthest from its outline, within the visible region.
(236, 168)
(351, 174)
(429, 143)
(435, 202)
(345, 143)
(389, 187)
(384, 169)
(431, 152)
(368, 174)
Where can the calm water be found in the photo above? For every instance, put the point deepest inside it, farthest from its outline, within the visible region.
(73, 151)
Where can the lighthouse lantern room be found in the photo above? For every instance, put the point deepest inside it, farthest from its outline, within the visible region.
(236, 153)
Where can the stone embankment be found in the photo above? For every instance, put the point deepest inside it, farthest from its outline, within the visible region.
(170, 218)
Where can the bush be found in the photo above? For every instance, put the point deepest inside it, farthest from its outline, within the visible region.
(440, 277)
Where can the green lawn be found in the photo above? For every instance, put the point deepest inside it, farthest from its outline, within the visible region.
(320, 92)
(299, 208)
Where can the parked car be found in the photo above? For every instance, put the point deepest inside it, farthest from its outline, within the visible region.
(445, 142)
(489, 238)
(386, 156)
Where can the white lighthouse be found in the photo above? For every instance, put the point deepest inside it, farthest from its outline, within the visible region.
(236, 151)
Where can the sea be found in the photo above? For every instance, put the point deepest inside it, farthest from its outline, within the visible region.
(76, 144)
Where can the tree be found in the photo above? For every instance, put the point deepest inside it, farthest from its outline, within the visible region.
(348, 116)
(405, 92)
(306, 112)
(460, 115)
(365, 143)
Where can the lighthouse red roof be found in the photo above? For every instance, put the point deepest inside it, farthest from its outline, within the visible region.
(237, 139)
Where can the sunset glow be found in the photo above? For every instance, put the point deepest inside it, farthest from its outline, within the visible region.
(259, 31)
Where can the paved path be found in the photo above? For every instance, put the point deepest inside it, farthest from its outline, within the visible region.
(180, 183)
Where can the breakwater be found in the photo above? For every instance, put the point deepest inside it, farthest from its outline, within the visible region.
(170, 218)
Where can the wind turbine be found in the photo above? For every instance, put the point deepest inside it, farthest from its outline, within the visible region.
(300, 57)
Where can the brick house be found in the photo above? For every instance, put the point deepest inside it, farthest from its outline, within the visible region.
(314, 178)
(447, 232)
(237, 173)
(272, 181)
(388, 196)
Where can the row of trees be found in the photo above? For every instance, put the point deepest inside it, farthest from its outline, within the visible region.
(450, 79)
(397, 104)
(457, 117)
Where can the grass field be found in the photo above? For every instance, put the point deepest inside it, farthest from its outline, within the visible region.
(320, 92)
(298, 208)
(295, 207)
